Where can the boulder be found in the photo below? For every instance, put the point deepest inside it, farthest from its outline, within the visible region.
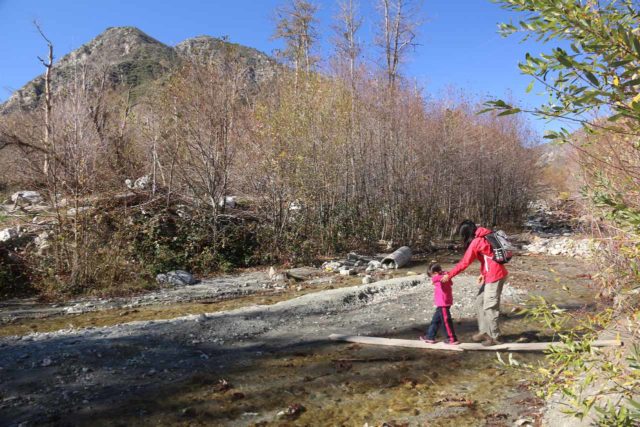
(141, 183)
(75, 212)
(176, 278)
(9, 234)
(332, 266)
(374, 265)
(227, 202)
(43, 242)
(26, 197)
(347, 272)
(302, 273)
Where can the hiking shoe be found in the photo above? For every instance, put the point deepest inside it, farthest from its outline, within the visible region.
(456, 342)
(479, 337)
(491, 342)
(427, 340)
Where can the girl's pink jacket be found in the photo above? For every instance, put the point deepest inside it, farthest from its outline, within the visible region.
(442, 292)
(480, 249)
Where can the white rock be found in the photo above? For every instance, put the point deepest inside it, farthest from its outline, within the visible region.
(31, 197)
(8, 234)
(373, 265)
(141, 183)
(332, 266)
(348, 272)
(228, 201)
(74, 211)
(367, 280)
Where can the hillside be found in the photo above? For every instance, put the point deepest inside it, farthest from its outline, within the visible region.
(560, 170)
(131, 59)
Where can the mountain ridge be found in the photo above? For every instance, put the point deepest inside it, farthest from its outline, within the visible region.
(131, 58)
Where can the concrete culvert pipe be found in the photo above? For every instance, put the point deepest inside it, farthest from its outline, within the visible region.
(398, 259)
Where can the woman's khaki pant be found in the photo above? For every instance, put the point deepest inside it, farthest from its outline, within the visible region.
(488, 307)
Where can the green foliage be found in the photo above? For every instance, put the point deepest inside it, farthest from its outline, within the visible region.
(600, 69)
(594, 68)
(591, 380)
(165, 241)
(14, 281)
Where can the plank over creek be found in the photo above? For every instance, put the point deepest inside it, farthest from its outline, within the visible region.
(392, 342)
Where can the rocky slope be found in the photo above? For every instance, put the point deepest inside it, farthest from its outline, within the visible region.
(130, 58)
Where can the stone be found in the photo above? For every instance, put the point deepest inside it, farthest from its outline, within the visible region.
(332, 266)
(295, 206)
(374, 265)
(43, 243)
(141, 183)
(366, 280)
(176, 278)
(563, 246)
(28, 197)
(8, 234)
(75, 212)
(348, 272)
(228, 202)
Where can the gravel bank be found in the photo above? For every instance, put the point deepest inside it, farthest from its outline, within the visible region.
(48, 375)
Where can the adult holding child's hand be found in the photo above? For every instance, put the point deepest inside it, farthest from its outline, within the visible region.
(491, 280)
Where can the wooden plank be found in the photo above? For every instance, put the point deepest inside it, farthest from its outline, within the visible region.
(392, 342)
(533, 346)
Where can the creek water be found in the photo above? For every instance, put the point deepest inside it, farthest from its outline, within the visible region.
(334, 384)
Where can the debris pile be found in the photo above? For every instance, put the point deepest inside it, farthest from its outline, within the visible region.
(563, 246)
(367, 266)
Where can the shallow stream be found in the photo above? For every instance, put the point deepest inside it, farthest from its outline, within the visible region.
(325, 383)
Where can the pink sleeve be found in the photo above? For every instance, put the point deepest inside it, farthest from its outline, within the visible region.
(469, 256)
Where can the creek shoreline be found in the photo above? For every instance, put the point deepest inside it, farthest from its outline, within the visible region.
(79, 375)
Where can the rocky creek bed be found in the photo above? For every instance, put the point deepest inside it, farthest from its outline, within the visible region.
(273, 365)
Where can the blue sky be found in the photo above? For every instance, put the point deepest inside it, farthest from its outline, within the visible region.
(459, 44)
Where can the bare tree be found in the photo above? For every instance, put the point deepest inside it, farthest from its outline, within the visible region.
(400, 20)
(48, 64)
(348, 47)
(296, 25)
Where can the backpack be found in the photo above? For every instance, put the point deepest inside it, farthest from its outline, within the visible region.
(500, 245)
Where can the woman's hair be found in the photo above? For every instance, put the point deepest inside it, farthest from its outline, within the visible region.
(467, 230)
(434, 268)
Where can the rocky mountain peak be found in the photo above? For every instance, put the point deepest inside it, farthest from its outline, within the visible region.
(131, 59)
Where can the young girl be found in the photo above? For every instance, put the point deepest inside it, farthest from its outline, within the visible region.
(443, 298)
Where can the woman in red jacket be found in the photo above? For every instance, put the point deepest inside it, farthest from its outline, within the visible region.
(491, 281)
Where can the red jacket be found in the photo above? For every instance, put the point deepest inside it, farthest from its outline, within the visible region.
(442, 292)
(480, 249)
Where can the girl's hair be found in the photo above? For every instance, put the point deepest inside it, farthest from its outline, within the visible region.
(467, 230)
(434, 268)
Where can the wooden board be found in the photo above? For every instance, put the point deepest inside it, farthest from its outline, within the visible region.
(392, 342)
(395, 342)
